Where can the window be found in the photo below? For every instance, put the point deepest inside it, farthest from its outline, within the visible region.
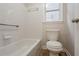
(53, 11)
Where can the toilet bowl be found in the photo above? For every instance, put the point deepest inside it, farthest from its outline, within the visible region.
(53, 45)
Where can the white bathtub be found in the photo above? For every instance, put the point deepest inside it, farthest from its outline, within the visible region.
(25, 47)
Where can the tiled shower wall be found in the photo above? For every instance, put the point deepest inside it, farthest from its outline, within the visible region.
(27, 16)
(11, 14)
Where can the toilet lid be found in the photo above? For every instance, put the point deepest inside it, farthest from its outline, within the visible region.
(54, 45)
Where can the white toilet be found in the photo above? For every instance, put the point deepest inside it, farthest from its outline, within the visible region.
(53, 45)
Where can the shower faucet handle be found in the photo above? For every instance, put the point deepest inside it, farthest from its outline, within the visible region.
(48, 40)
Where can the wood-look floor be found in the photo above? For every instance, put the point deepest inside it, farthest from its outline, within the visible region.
(46, 53)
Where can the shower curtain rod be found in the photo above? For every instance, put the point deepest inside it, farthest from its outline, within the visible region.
(9, 25)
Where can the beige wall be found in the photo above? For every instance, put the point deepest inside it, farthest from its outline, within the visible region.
(35, 15)
(68, 16)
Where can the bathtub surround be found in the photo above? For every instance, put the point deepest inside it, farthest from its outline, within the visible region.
(29, 21)
(30, 26)
(12, 14)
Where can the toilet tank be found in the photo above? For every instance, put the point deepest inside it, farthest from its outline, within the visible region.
(52, 34)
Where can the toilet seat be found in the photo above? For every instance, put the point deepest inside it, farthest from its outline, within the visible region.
(54, 46)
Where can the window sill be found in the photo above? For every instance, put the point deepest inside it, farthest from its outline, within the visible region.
(52, 21)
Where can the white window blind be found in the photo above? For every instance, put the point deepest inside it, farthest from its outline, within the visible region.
(53, 12)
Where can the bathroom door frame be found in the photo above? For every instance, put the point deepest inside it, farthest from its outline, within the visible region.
(74, 26)
(76, 29)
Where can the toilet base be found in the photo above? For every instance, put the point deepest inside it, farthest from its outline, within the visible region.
(53, 54)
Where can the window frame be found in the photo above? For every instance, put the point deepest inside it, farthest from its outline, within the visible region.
(60, 13)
